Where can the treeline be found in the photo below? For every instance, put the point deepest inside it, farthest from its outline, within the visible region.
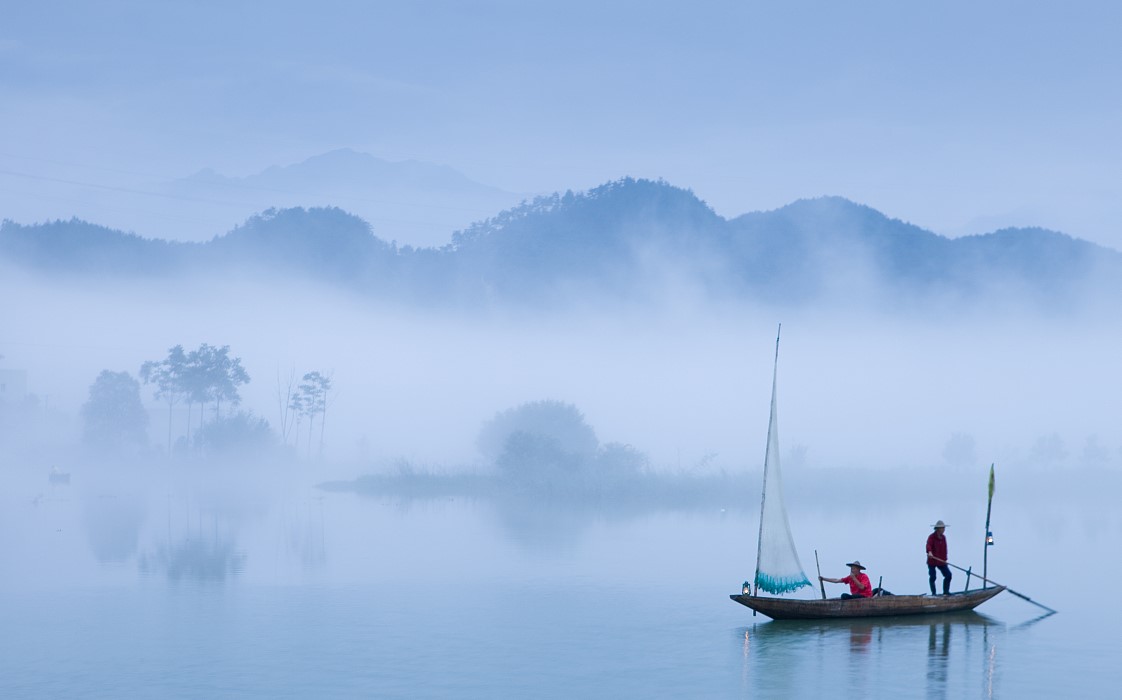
(628, 239)
(207, 378)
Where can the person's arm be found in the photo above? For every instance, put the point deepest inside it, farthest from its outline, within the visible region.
(829, 580)
(862, 583)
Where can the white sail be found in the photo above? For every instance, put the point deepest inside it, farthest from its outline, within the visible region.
(778, 569)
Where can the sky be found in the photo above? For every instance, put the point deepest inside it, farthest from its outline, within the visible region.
(960, 117)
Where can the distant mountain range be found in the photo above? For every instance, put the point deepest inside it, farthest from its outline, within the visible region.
(628, 240)
(410, 201)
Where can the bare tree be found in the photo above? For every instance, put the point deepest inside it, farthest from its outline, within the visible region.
(288, 412)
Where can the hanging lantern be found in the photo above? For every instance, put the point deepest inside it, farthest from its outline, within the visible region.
(746, 589)
(989, 538)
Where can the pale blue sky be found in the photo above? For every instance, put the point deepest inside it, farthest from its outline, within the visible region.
(961, 117)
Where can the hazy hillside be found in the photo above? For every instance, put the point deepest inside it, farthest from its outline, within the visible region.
(635, 240)
(409, 201)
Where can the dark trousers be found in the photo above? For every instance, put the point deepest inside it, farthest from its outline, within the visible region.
(946, 577)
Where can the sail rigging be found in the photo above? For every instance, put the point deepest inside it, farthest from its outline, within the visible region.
(778, 569)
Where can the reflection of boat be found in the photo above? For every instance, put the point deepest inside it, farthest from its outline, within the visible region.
(856, 627)
(57, 477)
(778, 569)
(789, 609)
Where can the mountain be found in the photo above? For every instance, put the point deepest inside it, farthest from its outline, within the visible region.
(625, 240)
(410, 201)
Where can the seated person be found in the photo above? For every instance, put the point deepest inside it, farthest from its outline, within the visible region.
(859, 585)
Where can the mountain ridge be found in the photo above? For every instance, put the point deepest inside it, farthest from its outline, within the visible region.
(624, 239)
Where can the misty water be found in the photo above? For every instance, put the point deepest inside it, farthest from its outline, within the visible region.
(161, 581)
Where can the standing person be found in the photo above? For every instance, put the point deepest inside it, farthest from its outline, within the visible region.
(937, 557)
(859, 586)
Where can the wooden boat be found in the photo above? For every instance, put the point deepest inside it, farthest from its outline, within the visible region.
(779, 571)
(879, 606)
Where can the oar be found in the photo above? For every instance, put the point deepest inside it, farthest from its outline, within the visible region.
(820, 584)
(1019, 595)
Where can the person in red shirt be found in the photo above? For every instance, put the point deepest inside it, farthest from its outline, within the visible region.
(937, 558)
(859, 585)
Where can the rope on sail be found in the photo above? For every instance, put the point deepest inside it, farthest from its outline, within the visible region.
(778, 569)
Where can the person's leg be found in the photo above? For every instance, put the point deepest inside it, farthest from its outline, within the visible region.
(847, 596)
(931, 577)
(946, 578)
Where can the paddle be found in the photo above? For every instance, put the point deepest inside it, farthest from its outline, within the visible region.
(1019, 595)
(820, 584)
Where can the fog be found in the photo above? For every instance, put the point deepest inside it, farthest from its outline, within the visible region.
(685, 384)
(275, 566)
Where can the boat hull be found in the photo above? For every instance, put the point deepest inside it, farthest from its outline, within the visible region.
(880, 606)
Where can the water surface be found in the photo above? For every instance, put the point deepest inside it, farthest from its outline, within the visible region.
(173, 586)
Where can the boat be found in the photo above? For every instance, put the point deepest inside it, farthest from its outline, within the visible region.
(779, 571)
(877, 606)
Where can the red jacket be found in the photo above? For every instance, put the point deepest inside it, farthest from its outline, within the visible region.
(853, 587)
(937, 545)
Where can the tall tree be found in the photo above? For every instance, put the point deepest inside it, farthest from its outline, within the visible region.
(114, 417)
(314, 390)
(195, 384)
(221, 375)
(167, 375)
(296, 404)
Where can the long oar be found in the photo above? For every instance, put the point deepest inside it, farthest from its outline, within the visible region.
(820, 584)
(1019, 595)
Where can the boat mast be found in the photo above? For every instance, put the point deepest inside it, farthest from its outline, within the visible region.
(767, 450)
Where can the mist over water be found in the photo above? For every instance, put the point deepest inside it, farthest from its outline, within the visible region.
(185, 585)
(314, 457)
(284, 571)
(682, 384)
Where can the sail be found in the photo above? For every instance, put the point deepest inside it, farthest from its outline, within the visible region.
(778, 569)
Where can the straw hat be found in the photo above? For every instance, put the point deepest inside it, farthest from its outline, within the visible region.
(939, 523)
(856, 563)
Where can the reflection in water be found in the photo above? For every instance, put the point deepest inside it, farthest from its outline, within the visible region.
(112, 527)
(860, 635)
(204, 552)
(989, 671)
(784, 658)
(195, 560)
(542, 525)
(938, 649)
(304, 530)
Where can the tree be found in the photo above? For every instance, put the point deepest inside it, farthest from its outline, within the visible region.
(222, 375)
(200, 376)
(240, 433)
(297, 405)
(960, 450)
(195, 384)
(313, 394)
(114, 415)
(536, 458)
(618, 460)
(167, 375)
(539, 435)
(289, 404)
